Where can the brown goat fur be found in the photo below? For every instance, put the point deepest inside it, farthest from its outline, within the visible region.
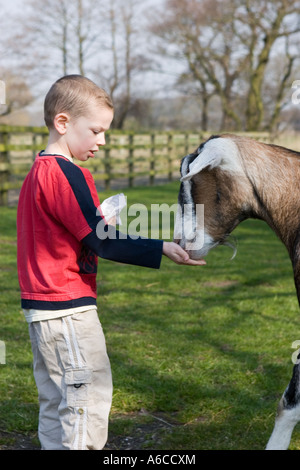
(237, 178)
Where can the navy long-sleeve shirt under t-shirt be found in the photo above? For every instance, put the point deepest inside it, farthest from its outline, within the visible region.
(61, 232)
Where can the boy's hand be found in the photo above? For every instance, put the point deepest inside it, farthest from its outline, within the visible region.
(112, 221)
(179, 256)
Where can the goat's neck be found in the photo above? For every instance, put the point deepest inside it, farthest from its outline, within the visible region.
(276, 200)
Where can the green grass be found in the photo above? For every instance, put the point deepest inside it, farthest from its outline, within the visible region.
(206, 349)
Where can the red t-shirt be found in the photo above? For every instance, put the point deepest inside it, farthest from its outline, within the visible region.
(58, 247)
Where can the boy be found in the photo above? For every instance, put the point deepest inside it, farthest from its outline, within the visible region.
(57, 265)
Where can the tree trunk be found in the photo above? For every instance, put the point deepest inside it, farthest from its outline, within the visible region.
(255, 107)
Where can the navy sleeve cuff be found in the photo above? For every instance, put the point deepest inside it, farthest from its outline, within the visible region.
(123, 248)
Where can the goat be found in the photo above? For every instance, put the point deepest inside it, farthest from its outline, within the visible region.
(237, 178)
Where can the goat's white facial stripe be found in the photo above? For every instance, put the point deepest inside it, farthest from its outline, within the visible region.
(186, 213)
(219, 152)
(187, 193)
(189, 224)
(189, 228)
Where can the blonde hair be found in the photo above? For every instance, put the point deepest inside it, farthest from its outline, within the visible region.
(72, 94)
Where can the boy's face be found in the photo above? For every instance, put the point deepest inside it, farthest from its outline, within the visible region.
(85, 134)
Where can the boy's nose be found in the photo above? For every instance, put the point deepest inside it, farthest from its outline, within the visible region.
(101, 140)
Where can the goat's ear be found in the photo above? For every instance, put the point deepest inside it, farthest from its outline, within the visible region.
(203, 160)
(217, 152)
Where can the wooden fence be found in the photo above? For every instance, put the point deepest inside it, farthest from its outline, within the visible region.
(126, 160)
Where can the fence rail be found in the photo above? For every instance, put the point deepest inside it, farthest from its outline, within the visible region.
(127, 159)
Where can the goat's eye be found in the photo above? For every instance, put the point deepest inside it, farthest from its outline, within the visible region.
(218, 196)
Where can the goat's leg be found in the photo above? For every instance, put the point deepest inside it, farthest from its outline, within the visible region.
(288, 414)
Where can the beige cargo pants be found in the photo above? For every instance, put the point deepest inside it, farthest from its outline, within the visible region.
(73, 377)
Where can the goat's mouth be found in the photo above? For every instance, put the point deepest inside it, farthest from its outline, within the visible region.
(198, 246)
(198, 251)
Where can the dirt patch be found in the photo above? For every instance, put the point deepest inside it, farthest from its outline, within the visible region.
(221, 284)
(142, 435)
(15, 441)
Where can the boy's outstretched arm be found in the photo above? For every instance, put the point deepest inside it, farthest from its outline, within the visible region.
(179, 256)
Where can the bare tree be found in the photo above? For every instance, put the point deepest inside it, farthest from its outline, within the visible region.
(17, 93)
(227, 45)
(90, 37)
(276, 89)
(202, 36)
(265, 23)
(40, 41)
(57, 35)
(86, 23)
(122, 56)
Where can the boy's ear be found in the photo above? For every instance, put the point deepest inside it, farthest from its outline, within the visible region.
(61, 121)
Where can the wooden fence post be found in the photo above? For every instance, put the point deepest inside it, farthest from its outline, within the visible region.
(44, 141)
(107, 165)
(34, 144)
(170, 156)
(130, 160)
(152, 160)
(186, 144)
(4, 167)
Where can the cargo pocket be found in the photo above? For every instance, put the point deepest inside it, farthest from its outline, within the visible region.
(78, 384)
